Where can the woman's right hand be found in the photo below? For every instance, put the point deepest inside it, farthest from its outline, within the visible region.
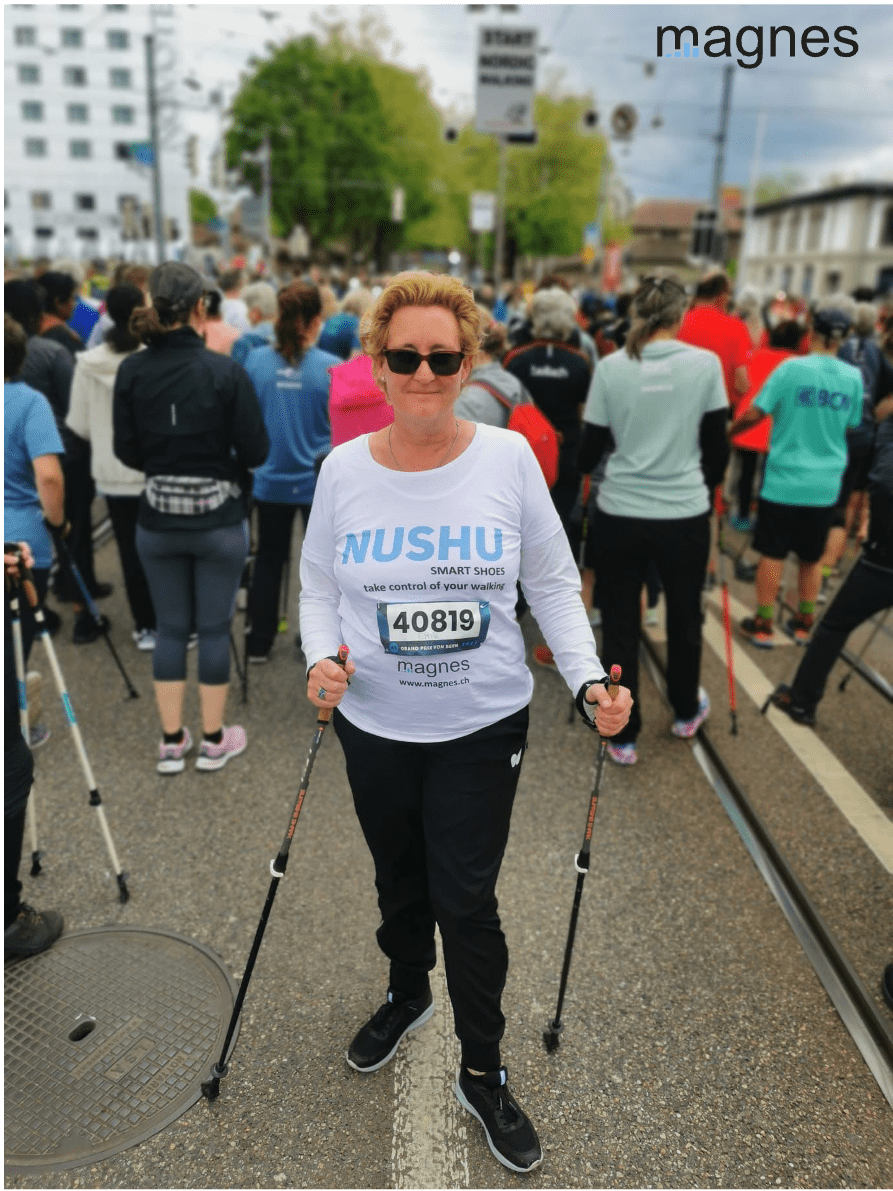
(332, 679)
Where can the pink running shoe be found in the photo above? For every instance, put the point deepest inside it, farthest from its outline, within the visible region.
(170, 756)
(687, 728)
(215, 756)
(623, 754)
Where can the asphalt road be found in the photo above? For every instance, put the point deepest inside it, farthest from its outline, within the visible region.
(699, 1049)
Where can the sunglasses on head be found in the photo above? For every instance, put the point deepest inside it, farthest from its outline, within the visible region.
(404, 361)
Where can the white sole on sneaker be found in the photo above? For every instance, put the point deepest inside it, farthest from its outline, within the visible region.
(210, 764)
(419, 1021)
(460, 1096)
(174, 764)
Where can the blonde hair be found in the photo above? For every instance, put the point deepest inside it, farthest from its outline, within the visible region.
(658, 303)
(356, 301)
(421, 289)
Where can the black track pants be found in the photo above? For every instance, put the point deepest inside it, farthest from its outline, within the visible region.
(436, 818)
(624, 547)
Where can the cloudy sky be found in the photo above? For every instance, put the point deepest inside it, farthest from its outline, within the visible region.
(823, 116)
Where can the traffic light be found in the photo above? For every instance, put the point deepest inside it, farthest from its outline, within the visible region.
(703, 240)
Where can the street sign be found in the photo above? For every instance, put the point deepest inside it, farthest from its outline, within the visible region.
(505, 79)
(483, 211)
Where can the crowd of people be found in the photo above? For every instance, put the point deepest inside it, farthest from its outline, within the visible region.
(208, 411)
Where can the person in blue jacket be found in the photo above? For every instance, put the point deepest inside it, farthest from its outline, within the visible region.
(291, 378)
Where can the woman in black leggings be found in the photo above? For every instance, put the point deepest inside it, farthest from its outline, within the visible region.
(189, 418)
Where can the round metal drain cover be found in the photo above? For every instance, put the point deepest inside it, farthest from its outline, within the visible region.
(108, 1036)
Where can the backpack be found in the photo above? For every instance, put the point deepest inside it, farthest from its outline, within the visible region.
(526, 419)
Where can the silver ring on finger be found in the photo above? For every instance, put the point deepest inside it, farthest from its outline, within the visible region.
(321, 693)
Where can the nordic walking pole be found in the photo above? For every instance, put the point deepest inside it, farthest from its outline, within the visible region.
(95, 800)
(726, 615)
(211, 1086)
(241, 673)
(862, 652)
(283, 595)
(581, 864)
(65, 555)
(21, 680)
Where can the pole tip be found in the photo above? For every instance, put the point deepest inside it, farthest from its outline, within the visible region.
(551, 1040)
(123, 891)
(211, 1088)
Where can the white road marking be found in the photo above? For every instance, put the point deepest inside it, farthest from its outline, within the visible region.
(859, 809)
(430, 1142)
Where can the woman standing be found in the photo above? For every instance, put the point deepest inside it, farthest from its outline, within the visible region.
(188, 417)
(434, 722)
(291, 380)
(90, 417)
(662, 404)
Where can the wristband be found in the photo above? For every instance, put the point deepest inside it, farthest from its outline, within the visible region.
(581, 703)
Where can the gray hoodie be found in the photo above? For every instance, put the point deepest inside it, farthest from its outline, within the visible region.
(90, 416)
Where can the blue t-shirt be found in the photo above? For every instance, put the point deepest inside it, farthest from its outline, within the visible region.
(29, 431)
(813, 400)
(262, 335)
(295, 405)
(340, 335)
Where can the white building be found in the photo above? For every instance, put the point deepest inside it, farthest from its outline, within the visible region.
(76, 103)
(815, 244)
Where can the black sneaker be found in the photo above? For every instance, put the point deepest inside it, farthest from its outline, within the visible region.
(87, 630)
(32, 931)
(102, 591)
(783, 698)
(379, 1038)
(510, 1134)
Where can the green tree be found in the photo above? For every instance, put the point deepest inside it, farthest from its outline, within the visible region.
(770, 188)
(202, 207)
(328, 136)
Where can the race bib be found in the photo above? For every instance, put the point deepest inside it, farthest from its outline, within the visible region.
(442, 627)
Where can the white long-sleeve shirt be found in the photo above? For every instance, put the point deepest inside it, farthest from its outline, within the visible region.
(416, 573)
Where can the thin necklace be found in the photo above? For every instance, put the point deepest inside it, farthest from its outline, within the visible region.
(440, 464)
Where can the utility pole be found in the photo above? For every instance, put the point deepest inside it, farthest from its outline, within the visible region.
(158, 214)
(498, 263)
(720, 159)
(266, 193)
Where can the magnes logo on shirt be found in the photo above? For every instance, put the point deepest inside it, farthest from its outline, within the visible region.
(812, 396)
(421, 543)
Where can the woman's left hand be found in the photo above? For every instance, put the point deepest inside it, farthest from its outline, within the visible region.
(611, 715)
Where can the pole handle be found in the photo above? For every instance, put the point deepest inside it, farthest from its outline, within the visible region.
(613, 691)
(325, 713)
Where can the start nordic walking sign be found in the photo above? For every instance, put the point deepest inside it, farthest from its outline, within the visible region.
(505, 79)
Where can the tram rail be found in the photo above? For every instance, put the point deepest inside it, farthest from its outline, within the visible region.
(854, 1004)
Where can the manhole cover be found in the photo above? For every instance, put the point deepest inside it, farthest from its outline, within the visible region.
(108, 1037)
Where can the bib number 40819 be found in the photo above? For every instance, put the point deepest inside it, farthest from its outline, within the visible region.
(442, 627)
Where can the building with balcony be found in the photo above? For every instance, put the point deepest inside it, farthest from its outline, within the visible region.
(815, 244)
(77, 127)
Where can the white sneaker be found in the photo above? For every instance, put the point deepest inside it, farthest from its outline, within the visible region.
(144, 639)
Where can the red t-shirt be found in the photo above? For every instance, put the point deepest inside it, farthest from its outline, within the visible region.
(729, 338)
(761, 362)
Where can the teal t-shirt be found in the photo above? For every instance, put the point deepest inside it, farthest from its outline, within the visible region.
(654, 408)
(29, 431)
(813, 400)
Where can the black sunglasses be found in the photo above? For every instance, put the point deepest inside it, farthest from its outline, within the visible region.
(404, 361)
